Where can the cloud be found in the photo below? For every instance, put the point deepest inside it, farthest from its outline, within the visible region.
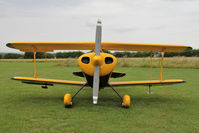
(123, 29)
(181, 0)
(151, 21)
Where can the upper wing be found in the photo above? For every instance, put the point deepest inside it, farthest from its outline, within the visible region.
(149, 82)
(143, 47)
(51, 46)
(42, 81)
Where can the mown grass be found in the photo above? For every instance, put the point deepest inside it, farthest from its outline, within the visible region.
(174, 62)
(28, 108)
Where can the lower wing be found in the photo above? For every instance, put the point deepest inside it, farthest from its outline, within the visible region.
(42, 81)
(149, 82)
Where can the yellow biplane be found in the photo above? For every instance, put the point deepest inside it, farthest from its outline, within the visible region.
(97, 67)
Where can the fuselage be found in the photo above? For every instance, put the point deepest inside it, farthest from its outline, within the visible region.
(106, 62)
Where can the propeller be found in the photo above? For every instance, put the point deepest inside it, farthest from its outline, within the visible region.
(97, 61)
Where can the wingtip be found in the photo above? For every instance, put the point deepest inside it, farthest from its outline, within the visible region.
(189, 47)
(9, 45)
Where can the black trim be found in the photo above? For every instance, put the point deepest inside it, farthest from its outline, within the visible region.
(10, 45)
(80, 74)
(117, 74)
(103, 80)
(38, 83)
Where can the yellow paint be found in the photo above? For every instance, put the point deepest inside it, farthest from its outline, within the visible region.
(145, 82)
(97, 60)
(151, 66)
(67, 99)
(126, 101)
(49, 80)
(45, 64)
(161, 68)
(35, 64)
(51, 46)
(104, 68)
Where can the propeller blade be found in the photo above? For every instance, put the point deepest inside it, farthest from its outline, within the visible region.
(96, 84)
(96, 78)
(98, 38)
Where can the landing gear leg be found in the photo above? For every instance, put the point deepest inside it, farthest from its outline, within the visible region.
(68, 97)
(126, 100)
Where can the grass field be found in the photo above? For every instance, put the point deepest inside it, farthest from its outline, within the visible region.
(28, 108)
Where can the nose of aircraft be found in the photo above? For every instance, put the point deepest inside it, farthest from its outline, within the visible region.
(97, 60)
(88, 61)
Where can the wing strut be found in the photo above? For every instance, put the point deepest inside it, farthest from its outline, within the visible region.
(161, 68)
(151, 65)
(35, 64)
(45, 63)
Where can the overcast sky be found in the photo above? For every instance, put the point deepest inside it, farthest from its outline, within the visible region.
(136, 21)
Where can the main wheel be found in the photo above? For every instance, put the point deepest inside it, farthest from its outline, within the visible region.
(126, 101)
(68, 100)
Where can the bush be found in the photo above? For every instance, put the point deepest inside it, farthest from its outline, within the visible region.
(106, 51)
(171, 54)
(29, 55)
(73, 54)
(118, 54)
(131, 54)
(50, 56)
(123, 54)
(12, 56)
(142, 54)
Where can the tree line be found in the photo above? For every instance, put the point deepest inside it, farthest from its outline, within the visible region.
(76, 54)
(41, 55)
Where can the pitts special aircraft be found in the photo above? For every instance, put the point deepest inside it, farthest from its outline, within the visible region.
(97, 67)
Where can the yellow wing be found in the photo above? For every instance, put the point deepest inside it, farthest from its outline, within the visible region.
(51, 46)
(149, 82)
(42, 81)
